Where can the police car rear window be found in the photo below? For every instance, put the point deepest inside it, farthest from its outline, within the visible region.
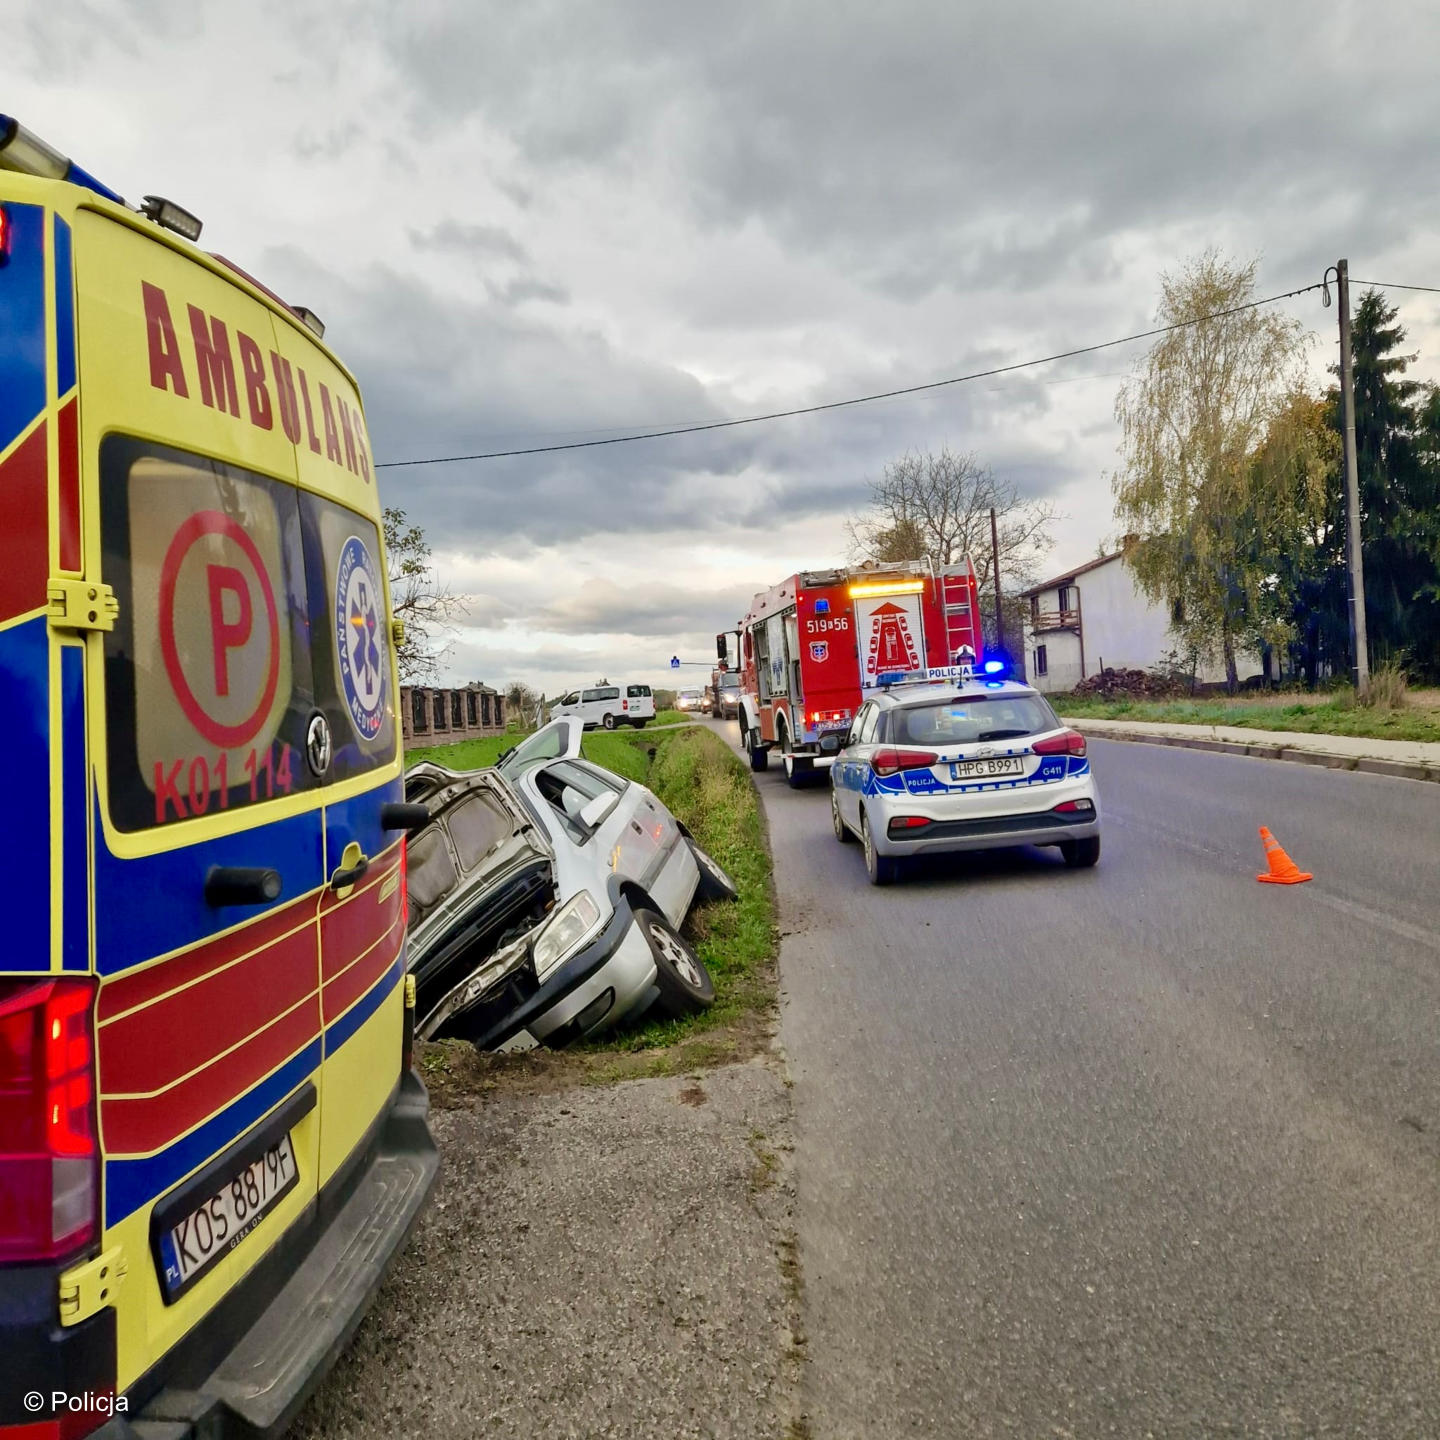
(247, 608)
(965, 721)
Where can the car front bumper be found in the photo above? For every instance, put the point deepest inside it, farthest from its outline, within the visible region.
(616, 964)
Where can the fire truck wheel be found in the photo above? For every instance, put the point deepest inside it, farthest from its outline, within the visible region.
(842, 830)
(684, 983)
(608, 722)
(882, 869)
(759, 755)
(715, 884)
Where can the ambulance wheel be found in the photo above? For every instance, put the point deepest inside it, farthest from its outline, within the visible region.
(680, 975)
(882, 869)
(609, 721)
(1081, 854)
(842, 830)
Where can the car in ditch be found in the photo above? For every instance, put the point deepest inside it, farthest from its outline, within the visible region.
(547, 897)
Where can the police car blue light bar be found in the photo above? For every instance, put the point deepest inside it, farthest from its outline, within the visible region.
(22, 150)
(993, 667)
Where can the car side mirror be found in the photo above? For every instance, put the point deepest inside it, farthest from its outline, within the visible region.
(830, 744)
(597, 809)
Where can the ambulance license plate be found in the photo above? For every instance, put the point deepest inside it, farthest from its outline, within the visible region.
(219, 1224)
(984, 769)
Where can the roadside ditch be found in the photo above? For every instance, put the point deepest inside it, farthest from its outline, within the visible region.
(610, 1248)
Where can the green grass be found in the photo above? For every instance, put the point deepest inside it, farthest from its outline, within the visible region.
(671, 717)
(708, 788)
(1318, 715)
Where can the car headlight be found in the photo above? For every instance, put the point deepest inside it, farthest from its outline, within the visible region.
(565, 931)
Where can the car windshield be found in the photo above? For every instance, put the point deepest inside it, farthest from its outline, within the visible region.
(730, 682)
(970, 718)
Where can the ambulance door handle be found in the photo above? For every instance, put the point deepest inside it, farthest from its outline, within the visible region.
(343, 879)
(241, 885)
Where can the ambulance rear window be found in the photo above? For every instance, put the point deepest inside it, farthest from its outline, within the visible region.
(246, 609)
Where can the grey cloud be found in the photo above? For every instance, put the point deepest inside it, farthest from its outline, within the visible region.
(603, 607)
(518, 291)
(452, 236)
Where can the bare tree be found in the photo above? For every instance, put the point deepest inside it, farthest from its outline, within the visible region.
(418, 600)
(938, 506)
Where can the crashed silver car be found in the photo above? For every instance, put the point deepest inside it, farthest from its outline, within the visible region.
(546, 899)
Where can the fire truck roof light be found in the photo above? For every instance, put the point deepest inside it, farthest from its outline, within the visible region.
(891, 587)
(26, 152)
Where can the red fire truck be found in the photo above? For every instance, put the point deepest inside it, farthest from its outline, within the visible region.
(812, 643)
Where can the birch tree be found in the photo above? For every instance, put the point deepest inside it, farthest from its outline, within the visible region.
(1193, 484)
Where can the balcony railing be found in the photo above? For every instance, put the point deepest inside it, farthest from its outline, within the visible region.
(1042, 620)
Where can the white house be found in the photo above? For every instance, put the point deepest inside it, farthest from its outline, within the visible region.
(1096, 617)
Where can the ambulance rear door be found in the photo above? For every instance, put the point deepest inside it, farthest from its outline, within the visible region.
(208, 855)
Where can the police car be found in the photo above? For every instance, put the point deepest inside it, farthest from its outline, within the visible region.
(951, 761)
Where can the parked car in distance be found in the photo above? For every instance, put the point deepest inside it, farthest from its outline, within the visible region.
(546, 899)
(607, 705)
(939, 766)
(690, 701)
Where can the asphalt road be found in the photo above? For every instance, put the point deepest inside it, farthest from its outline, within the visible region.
(1143, 1151)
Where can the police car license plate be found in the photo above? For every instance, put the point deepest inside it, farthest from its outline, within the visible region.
(220, 1223)
(983, 769)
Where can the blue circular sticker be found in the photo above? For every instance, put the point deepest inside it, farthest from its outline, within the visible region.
(360, 637)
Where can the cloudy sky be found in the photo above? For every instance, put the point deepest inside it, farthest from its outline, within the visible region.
(526, 224)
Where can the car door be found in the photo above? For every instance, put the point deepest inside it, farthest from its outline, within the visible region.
(855, 763)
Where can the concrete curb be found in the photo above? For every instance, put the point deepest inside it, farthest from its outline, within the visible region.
(1398, 769)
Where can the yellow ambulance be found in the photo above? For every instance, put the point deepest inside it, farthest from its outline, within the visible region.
(211, 1141)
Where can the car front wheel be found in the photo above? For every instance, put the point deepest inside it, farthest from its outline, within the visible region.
(1081, 854)
(882, 869)
(684, 983)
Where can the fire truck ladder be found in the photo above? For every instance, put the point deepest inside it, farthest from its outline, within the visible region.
(961, 627)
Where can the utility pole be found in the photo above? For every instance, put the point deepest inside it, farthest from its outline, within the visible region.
(1359, 646)
(995, 555)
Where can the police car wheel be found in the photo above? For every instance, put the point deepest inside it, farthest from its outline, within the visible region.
(842, 830)
(882, 869)
(680, 975)
(715, 884)
(608, 722)
(1081, 854)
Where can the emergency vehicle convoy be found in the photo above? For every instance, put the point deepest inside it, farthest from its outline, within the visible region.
(211, 1141)
(811, 644)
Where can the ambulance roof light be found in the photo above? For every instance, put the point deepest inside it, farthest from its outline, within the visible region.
(310, 320)
(30, 155)
(170, 216)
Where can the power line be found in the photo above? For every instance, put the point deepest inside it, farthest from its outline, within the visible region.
(1389, 285)
(859, 399)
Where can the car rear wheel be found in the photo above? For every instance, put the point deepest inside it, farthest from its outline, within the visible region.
(715, 884)
(609, 721)
(1081, 854)
(685, 984)
(798, 769)
(882, 869)
(842, 830)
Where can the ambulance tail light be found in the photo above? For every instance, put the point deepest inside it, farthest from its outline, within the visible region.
(890, 761)
(49, 1148)
(1067, 742)
(4, 234)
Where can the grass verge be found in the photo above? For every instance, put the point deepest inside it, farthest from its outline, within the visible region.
(710, 791)
(1319, 715)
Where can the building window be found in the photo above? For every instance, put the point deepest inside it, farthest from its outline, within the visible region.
(1065, 598)
(484, 709)
(472, 710)
(498, 710)
(417, 711)
(438, 701)
(1034, 610)
(1042, 661)
(457, 710)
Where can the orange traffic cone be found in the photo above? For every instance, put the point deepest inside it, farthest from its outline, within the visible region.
(1283, 870)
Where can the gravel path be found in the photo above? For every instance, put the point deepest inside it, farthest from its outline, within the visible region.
(606, 1261)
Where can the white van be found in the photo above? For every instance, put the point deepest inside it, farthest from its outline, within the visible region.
(608, 706)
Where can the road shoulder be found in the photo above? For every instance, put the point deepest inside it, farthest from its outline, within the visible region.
(1408, 760)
